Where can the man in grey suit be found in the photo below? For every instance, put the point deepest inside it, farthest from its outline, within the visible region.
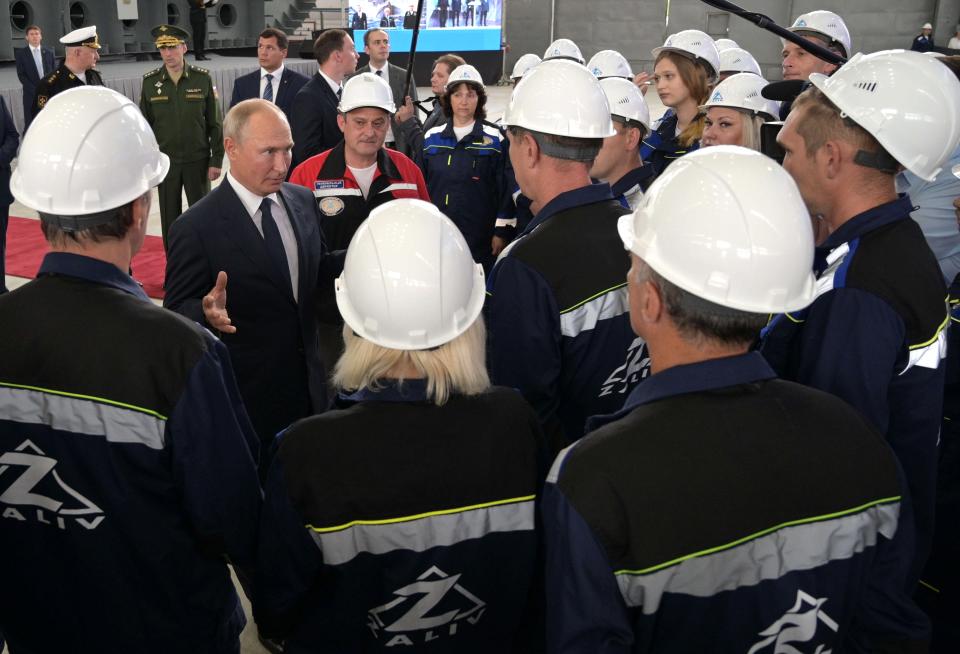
(376, 43)
(34, 62)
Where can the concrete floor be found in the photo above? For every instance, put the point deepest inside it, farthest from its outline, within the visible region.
(497, 101)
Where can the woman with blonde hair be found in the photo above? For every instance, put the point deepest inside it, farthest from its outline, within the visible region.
(686, 67)
(735, 112)
(415, 494)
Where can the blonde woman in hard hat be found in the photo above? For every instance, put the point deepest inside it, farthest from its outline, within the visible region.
(687, 65)
(404, 517)
(736, 110)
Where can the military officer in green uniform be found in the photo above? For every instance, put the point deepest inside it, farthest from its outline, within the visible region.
(81, 55)
(180, 103)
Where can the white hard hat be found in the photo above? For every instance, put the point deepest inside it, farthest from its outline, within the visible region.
(742, 91)
(560, 97)
(90, 150)
(695, 45)
(610, 63)
(465, 73)
(825, 23)
(728, 225)
(927, 26)
(409, 281)
(366, 90)
(725, 44)
(738, 60)
(908, 101)
(626, 100)
(524, 64)
(563, 49)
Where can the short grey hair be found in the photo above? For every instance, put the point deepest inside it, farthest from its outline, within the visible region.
(238, 116)
(699, 320)
(565, 148)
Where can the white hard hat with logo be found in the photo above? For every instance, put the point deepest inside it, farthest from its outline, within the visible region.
(409, 281)
(465, 73)
(695, 45)
(366, 90)
(524, 64)
(89, 151)
(725, 44)
(826, 24)
(626, 100)
(610, 63)
(560, 97)
(742, 91)
(738, 60)
(563, 49)
(906, 100)
(728, 225)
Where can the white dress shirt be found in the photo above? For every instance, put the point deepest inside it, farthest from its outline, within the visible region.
(37, 55)
(275, 82)
(251, 202)
(386, 78)
(334, 86)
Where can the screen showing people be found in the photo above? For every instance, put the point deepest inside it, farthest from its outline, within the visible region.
(445, 24)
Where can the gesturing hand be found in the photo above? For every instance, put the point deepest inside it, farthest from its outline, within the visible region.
(215, 306)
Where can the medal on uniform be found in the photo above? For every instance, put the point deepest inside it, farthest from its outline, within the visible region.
(331, 206)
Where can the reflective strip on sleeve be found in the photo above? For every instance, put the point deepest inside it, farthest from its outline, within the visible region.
(506, 222)
(81, 414)
(341, 544)
(771, 554)
(603, 306)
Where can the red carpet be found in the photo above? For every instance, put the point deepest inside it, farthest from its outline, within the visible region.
(26, 247)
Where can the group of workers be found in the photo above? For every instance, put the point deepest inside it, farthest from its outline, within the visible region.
(573, 381)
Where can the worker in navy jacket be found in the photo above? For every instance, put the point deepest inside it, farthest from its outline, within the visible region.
(404, 517)
(464, 163)
(721, 509)
(557, 306)
(127, 461)
(875, 335)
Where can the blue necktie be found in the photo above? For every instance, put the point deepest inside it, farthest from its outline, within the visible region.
(271, 238)
(268, 89)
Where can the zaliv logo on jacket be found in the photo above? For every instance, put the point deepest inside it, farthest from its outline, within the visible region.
(435, 606)
(798, 629)
(32, 491)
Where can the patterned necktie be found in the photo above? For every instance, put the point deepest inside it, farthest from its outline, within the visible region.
(268, 89)
(38, 62)
(340, 93)
(271, 238)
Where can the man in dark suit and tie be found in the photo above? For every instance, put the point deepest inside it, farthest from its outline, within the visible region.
(274, 81)
(376, 43)
(263, 235)
(9, 140)
(313, 118)
(34, 62)
(359, 21)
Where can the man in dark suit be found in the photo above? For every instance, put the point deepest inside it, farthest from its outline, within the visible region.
(313, 118)
(455, 13)
(198, 25)
(274, 81)
(264, 236)
(443, 5)
(34, 62)
(376, 43)
(359, 21)
(9, 140)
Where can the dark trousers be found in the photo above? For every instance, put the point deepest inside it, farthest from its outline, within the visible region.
(455, 18)
(190, 177)
(443, 17)
(199, 27)
(4, 218)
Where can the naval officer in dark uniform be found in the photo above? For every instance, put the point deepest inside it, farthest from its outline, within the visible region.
(180, 103)
(77, 69)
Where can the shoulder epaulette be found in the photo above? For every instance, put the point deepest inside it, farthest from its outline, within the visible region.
(52, 77)
(198, 69)
(153, 72)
